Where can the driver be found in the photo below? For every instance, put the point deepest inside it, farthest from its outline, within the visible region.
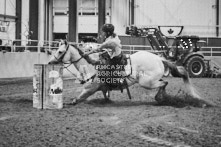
(112, 42)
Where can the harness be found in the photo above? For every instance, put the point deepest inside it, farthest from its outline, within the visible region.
(82, 81)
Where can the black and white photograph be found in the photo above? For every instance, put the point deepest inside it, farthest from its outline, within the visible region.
(110, 73)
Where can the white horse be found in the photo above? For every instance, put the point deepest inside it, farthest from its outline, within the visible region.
(147, 70)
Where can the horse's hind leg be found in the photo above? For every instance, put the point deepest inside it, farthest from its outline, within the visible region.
(157, 84)
(160, 96)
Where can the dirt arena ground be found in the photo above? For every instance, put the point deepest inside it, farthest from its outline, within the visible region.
(122, 122)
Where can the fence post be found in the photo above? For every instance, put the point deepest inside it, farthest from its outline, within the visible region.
(49, 45)
(130, 50)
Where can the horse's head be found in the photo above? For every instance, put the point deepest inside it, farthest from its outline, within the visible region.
(62, 55)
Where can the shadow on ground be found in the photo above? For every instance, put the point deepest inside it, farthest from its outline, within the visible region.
(185, 100)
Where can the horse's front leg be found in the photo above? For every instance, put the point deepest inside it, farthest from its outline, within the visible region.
(106, 94)
(88, 90)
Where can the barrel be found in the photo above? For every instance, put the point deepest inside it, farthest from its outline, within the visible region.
(48, 86)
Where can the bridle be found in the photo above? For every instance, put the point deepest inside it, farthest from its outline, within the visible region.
(61, 58)
(73, 62)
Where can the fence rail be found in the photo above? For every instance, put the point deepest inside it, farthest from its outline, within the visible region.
(37, 53)
(48, 46)
(207, 51)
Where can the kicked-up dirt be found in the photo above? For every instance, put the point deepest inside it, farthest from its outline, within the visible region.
(120, 122)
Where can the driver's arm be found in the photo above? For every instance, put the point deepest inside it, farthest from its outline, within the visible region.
(107, 44)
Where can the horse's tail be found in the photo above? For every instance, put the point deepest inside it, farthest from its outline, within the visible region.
(180, 71)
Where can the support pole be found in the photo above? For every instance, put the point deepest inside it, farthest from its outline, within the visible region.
(50, 20)
(46, 25)
(73, 21)
(41, 23)
(101, 17)
(33, 21)
(18, 21)
(132, 12)
(217, 18)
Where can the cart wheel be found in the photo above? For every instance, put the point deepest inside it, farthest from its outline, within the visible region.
(195, 67)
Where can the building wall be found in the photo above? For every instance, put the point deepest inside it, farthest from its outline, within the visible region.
(21, 64)
(25, 21)
(219, 18)
(87, 18)
(120, 15)
(197, 16)
(60, 24)
(8, 8)
(60, 17)
(9, 34)
(88, 24)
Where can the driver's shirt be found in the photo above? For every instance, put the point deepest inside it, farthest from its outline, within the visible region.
(114, 44)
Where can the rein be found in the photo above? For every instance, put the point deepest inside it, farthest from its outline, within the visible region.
(70, 63)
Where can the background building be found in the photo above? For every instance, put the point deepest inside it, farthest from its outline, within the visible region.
(81, 19)
(39, 22)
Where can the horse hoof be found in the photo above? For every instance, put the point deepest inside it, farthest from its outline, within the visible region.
(160, 99)
(107, 101)
(204, 106)
(74, 102)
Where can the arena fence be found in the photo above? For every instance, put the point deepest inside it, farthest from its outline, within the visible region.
(18, 58)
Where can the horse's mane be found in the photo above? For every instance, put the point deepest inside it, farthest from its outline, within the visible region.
(87, 58)
(79, 50)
